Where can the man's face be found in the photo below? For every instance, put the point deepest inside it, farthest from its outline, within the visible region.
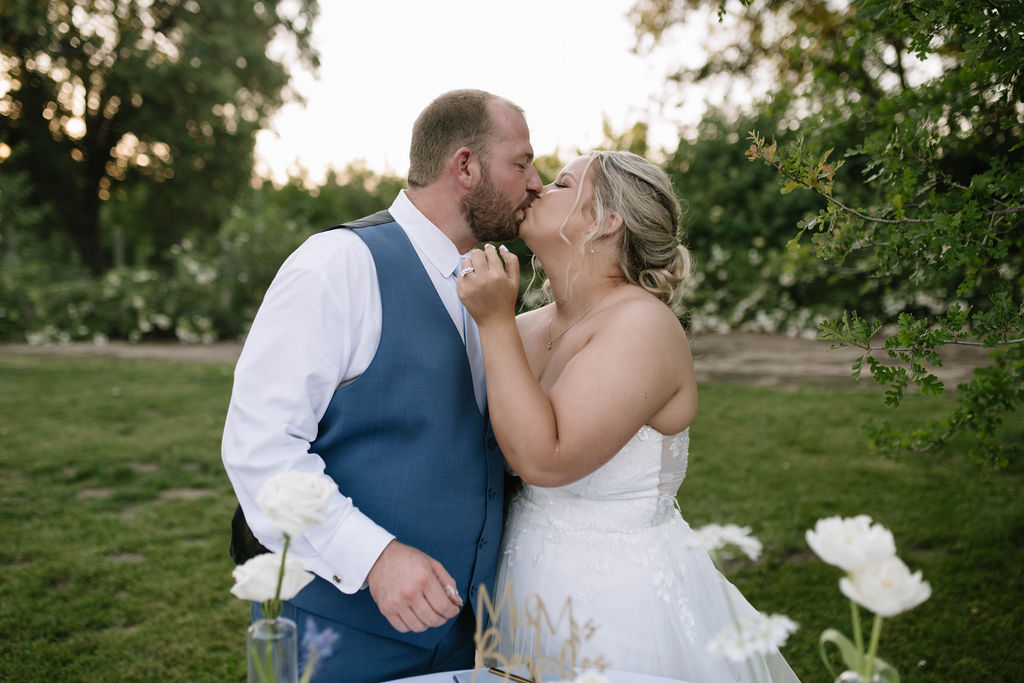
(509, 183)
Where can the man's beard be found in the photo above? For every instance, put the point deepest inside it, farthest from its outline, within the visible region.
(491, 217)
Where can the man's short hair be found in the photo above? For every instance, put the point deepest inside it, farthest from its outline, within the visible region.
(459, 118)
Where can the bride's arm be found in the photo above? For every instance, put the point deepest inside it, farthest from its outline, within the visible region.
(521, 414)
(631, 370)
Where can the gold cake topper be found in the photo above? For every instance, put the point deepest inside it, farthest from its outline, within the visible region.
(534, 617)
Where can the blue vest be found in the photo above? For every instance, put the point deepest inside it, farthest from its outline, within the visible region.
(408, 444)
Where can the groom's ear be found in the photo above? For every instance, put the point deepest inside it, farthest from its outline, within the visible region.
(466, 167)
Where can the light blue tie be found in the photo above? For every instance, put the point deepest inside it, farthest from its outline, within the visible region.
(471, 337)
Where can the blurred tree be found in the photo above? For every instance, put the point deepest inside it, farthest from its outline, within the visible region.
(353, 193)
(633, 140)
(737, 227)
(151, 103)
(908, 120)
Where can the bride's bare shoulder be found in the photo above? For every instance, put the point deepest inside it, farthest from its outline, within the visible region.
(530, 319)
(644, 311)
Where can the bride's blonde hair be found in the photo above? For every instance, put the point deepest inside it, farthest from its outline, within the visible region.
(650, 253)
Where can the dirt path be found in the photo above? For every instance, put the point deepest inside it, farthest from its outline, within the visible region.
(770, 360)
(749, 358)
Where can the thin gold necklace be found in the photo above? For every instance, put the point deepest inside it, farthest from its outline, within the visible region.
(585, 313)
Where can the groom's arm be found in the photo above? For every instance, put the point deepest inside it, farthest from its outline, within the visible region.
(319, 327)
(308, 338)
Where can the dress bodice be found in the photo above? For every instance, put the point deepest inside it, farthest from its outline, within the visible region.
(636, 488)
(611, 572)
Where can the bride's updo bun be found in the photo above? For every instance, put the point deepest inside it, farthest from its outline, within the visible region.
(650, 253)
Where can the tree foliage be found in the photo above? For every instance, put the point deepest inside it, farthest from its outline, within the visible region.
(151, 104)
(738, 226)
(904, 121)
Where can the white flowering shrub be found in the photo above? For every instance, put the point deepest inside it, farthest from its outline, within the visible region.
(198, 291)
(204, 293)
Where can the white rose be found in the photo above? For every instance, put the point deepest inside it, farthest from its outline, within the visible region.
(886, 587)
(296, 501)
(256, 580)
(849, 543)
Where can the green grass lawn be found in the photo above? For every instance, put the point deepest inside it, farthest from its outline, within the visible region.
(116, 514)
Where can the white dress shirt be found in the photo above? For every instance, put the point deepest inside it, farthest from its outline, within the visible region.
(317, 329)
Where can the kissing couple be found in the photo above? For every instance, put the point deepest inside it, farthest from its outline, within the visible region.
(474, 447)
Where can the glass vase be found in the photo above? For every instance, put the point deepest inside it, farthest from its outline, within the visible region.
(272, 647)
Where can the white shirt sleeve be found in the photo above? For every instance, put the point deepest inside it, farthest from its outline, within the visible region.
(317, 328)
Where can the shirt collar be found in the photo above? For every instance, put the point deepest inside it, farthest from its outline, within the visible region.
(428, 239)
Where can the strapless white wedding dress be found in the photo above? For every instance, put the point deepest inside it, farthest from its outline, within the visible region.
(615, 543)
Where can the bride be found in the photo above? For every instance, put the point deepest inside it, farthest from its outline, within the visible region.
(591, 398)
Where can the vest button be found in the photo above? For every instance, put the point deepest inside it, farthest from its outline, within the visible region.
(482, 543)
(492, 443)
(472, 592)
(490, 493)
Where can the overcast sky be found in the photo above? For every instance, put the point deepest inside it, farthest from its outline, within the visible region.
(568, 63)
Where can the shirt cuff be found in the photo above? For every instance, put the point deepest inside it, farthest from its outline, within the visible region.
(352, 552)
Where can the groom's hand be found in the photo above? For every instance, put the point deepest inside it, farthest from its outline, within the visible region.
(412, 590)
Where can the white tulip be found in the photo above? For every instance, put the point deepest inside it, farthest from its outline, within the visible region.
(296, 501)
(760, 634)
(715, 537)
(886, 587)
(850, 543)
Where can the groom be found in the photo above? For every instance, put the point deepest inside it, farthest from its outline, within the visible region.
(362, 364)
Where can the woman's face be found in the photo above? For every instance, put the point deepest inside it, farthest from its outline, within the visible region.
(555, 205)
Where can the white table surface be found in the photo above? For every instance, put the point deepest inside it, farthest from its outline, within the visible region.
(613, 676)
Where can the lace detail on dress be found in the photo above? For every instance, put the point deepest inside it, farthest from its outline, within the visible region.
(625, 504)
(674, 459)
(615, 543)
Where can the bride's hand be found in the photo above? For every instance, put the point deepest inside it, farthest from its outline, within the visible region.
(489, 288)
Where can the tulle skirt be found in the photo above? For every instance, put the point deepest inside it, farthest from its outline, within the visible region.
(644, 597)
